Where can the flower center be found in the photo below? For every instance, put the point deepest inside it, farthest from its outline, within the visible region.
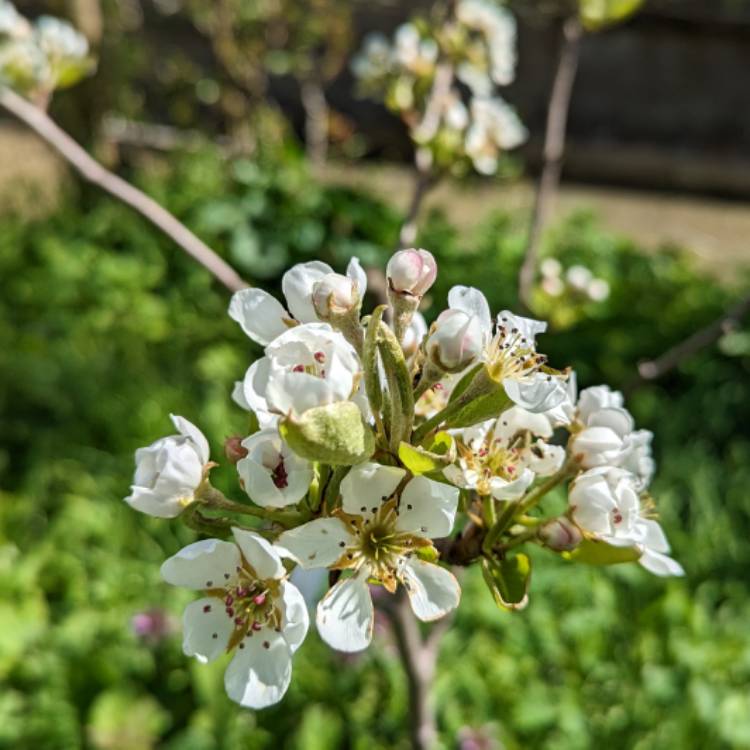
(379, 545)
(512, 355)
(279, 476)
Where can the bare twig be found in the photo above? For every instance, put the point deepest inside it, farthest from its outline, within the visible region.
(554, 149)
(673, 357)
(95, 173)
(419, 657)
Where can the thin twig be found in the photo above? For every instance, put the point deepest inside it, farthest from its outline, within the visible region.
(554, 149)
(95, 173)
(677, 354)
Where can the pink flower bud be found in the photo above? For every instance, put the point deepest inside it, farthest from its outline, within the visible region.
(233, 449)
(411, 272)
(334, 294)
(560, 534)
(456, 340)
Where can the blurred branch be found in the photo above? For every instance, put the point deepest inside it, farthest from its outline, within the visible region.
(95, 173)
(150, 135)
(419, 658)
(312, 95)
(423, 181)
(655, 368)
(553, 151)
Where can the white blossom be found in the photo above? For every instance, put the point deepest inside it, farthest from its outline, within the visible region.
(263, 318)
(307, 366)
(510, 352)
(415, 54)
(411, 271)
(495, 128)
(169, 471)
(605, 503)
(12, 23)
(501, 457)
(375, 537)
(455, 341)
(271, 474)
(248, 608)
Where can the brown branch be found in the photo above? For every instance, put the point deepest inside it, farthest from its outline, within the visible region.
(674, 356)
(419, 658)
(553, 152)
(95, 173)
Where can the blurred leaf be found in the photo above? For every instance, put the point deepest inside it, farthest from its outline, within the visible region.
(595, 552)
(598, 14)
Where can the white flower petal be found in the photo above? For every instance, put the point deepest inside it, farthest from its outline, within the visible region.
(260, 672)
(316, 544)
(296, 392)
(427, 508)
(147, 501)
(540, 393)
(190, 431)
(260, 553)
(207, 564)
(474, 303)
(367, 485)
(295, 618)
(345, 615)
(206, 629)
(654, 537)
(260, 315)
(355, 272)
(254, 386)
(660, 564)
(527, 327)
(297, 284)
(614, 418)
(238, 395)
(433, 591)
(501, 489)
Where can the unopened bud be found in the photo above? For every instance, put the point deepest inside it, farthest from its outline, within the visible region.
(411, 272)
(560, 534)
(456, 340)
(335, 295)
(233, 449)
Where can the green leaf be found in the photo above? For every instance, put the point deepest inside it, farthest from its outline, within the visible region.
(508, 580)
(435, 457)
(595, 552)
(598, 14)
(464, 382)
(483, 407)
(335, 434)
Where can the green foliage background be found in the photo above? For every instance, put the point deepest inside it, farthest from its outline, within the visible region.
(105, 328)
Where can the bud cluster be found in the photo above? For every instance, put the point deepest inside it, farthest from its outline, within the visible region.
(440, 75)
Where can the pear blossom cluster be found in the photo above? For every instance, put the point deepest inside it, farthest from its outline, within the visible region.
(388, 452)
(441, 76)
(38, 58)
(576, 280)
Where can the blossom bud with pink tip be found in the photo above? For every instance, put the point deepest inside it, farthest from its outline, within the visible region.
(411, 272)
